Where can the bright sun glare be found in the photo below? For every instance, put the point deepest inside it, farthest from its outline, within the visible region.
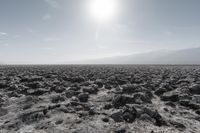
(103, 10)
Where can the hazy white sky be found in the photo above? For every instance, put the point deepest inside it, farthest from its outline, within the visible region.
(59, 31)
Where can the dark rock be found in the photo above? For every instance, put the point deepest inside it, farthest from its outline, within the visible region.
(35, 85)
(45, 111)
(108, 86)
(128, 117)
(3, 84)
(173, 112)
(117, 116)
(194, 105)
(189, 104)
(83, 97)
(129, 114)
(81, 113)
(170, 104)
(58, 89)
(197, 111)
(141, 98)
(29, 99)
(57, 98)
(146, 117)
(149, 95)
(90, 90)
(184, 103)
(87, 83)
(120, 130)
(117, 90)
(159, 120)
(44, 125)
(23, 90)
(185, 97)
(31, 78)
(99, 82)
(154, 114)
(160, 91)
(31, 116)
(167, 86)
(53, 106)
(27, 106)
(28, 102)
(197, 118)
(121, 100)
(59, 122)
(74, 103)
(75, 99)
(56, 81)
(183, 81)
(92, 111)
(1, 74)
(122, 81)
(196, 99)
(105, 119)
(107, 106)
(75, 87)
(130, 88)
(71, 93)
(2, 101)
(13, 94)
(77, 79)
(3, 112)
(166, 109)
(13, 87)
(173, 98)
(138, 98)
(65, 109)
(195, 89)
(12, 125)
(177, 125)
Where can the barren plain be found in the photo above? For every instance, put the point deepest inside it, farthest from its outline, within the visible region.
(99, 99)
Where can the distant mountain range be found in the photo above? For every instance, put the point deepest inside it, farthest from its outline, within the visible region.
(185, 56)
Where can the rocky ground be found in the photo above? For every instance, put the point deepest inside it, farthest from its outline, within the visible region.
(99, 99)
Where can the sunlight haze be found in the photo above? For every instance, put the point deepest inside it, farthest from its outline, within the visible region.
(63, 31)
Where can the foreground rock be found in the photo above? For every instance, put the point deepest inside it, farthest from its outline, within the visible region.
(195, 89)
(100, 99)
(83, 97)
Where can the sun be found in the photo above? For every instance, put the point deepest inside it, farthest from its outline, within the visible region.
(103, 10)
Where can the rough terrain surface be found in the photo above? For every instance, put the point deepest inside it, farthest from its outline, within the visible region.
(99, 99)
